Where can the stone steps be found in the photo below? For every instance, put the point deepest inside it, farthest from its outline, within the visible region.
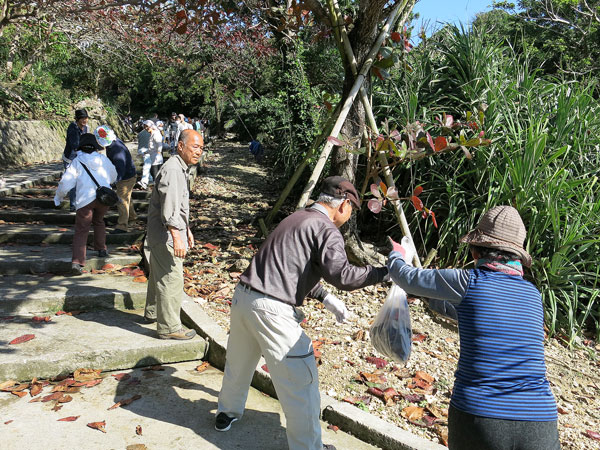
(37, 234)
(35, 294)
(49, 193)
(48, 203)
(107, 340)
(16, 259)
(55, 216)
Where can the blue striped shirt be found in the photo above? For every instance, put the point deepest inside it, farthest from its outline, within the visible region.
(501, 370)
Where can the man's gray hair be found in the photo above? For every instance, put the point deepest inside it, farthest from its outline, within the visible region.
(330, 200)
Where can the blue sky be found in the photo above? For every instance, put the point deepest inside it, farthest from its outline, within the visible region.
(453, 11)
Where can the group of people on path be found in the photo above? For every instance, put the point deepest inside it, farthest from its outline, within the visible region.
(501, 397)
(156, 136)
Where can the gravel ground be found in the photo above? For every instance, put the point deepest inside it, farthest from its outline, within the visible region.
(229, 195)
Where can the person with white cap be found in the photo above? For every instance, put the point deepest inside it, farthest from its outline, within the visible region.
(144, 142)
(155, 150)
(501, 398)
(118, 153)
(306, 247)
(90, 211)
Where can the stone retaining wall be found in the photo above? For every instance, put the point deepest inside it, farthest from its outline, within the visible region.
(24, 142)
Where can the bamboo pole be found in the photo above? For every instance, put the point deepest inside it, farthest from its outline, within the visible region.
(389, 179)
(312, 182)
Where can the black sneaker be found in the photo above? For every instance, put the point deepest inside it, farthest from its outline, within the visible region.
(328, 447)
(117, 231)
(223, 422)
(102, 254)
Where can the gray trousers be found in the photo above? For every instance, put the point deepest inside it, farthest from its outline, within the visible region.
(262, 325)
(165, 288)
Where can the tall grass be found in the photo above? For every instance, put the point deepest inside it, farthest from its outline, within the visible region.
(544, 160)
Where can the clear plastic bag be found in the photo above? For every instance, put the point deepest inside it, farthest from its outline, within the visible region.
(391, 332)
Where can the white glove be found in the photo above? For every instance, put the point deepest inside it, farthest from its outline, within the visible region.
(409, 249)
(337, 307)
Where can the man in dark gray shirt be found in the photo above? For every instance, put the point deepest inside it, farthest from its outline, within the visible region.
(169, 237)
(305, 247)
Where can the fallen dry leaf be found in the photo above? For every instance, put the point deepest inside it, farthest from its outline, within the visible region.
(138, 430)
(20, 394)
(38, 319)
(592, 434)
(21, 339)
(442, 433)
(7, 385)
(100, 426)
(424, 376)
(121, 376)
(125, 402)
(68, 419)
(333, 427)
(413, 413)
(57, 407)
(419, 337)
(50, 397)
(36, 387)
(373, 377)
(141, 279)
(87, 374)
(379, 362)
(136, 447)
(64, 399)
(7, 422)
(202, 367)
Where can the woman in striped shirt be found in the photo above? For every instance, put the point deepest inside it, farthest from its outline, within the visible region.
(501, 397)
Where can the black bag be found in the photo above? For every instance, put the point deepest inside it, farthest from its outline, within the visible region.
(104, 194)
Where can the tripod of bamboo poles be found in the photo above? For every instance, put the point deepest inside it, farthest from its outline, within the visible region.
(346, 48)
(340, 114)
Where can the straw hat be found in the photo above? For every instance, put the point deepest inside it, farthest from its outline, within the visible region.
(501, 227)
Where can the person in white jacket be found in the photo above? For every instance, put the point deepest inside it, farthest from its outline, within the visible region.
(155, 150)
(89, 211)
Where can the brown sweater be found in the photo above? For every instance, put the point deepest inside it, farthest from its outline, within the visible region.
(305, 247)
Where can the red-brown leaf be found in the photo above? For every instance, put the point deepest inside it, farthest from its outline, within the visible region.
(68, 419)
(57, 407)
(125, 402)
(50, 397)
(333, 427)
(265, 368)
(440, 143)
(21, 339)
(38, 319)
(19, 394)
(86, 374)
(100, 426)
(141, 279)
(138, 430)
(379, 362)
(65, 399)
(8, 421)
(418, 190)
(122, 376)
(592, 434)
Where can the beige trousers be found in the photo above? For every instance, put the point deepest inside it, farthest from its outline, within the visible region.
(261, 325)
(165, 289)
(125, 206)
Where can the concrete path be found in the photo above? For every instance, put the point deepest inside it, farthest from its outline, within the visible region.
(176, 411)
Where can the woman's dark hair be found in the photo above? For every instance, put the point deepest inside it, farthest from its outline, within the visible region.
(494, 253)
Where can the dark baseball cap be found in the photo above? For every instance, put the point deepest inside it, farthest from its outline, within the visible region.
(88, 143)
(339, 187)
